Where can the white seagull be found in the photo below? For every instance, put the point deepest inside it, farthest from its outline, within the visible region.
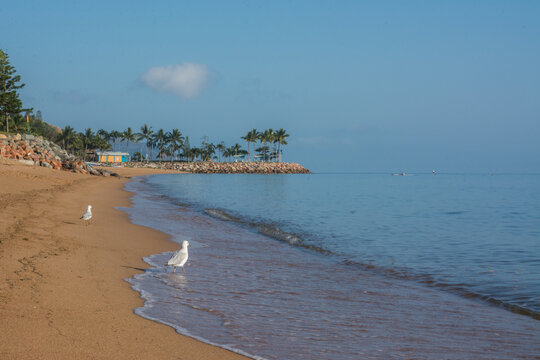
(88, 214)
(180, 257)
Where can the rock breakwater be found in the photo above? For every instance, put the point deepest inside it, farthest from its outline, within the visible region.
(210, 167)
(35, 150)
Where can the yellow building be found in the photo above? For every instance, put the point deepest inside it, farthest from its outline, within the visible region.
(113, 157)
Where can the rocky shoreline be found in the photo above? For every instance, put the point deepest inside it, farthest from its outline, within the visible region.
(210, 167)
(37, 151)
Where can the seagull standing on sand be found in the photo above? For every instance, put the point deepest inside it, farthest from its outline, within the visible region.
(88, 214)
(180, 257)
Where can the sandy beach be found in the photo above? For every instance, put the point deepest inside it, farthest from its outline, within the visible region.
(62, 288)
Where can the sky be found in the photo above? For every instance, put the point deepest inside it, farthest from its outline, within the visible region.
(360, 86)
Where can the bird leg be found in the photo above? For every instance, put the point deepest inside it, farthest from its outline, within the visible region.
(184, 270)
(174, 269)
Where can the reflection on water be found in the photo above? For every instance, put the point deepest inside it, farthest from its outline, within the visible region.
(248, 292)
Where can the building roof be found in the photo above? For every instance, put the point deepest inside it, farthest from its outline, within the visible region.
(116, 153)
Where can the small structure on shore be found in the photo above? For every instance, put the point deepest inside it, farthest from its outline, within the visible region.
(113, 157)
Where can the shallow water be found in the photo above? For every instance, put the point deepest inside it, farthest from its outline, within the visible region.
(330, 298)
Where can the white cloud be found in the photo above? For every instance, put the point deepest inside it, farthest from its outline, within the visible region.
(186, 80)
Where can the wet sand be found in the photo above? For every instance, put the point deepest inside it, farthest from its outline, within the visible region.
(62, 288)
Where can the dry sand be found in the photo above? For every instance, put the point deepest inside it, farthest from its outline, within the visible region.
(62, 288)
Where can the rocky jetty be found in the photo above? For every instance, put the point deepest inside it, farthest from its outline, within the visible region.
(210, 167)
(35, 150)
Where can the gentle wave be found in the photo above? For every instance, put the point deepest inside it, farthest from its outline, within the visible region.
(269, 230)
(248, 287)
(277, 233)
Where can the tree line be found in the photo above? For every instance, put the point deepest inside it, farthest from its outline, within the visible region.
(173, 145)
(160, 144)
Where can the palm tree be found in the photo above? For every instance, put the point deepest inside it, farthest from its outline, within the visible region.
(113, 136)
(236, 150)
(67, 136)
(128, 136)
(195, 153)
(207, 151)
(169, 151)
(266, 137)
(146, 135)
(221, 148)
(164, 151)
(101, 143)
(280, 137)
(228, 152)
(175, 139)
(104, 135)
(87, 139)
(251, 137)
(186, 149)
(159, 140)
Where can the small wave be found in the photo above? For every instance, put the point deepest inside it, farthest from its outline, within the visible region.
(454, 212)
(269, 230)
(291, 239)
(277, 233)
(222, 215)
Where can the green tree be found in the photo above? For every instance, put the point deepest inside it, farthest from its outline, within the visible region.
(103, 137)
(186, 150)
(251, 137)
(146, 135)
(159, 139)
(280, 137)
(41, 128)
(88, 141)
(221, 148)
(9, 97)
(236, 151)
(114, 135)
(104, 134)
(175, 139)
(67, 137)
(266, 137)
(137, 156)
(101, 142)
(17, 122)
(128, 136)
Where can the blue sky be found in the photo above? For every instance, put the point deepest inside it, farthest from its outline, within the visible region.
(360, 86)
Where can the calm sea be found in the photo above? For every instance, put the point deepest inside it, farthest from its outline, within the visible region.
(345, 266)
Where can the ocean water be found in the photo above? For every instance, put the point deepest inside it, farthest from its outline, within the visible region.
(343, 266)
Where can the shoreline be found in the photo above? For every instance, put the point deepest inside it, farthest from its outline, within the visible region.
(63, 288)
(233, 254)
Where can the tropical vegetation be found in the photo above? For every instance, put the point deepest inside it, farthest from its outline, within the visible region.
(173, 145)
